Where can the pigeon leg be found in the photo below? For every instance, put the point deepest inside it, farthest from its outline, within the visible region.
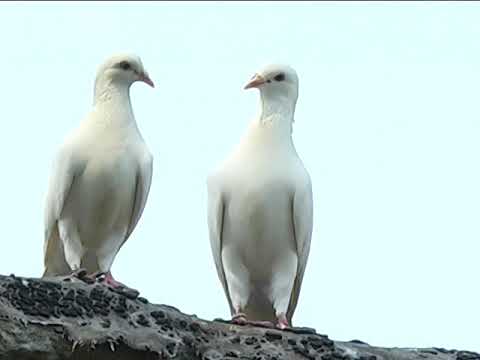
(282, 322)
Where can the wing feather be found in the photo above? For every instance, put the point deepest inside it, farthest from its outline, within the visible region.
(216, 211)
(61, 181)
(142, 189)
(302, 210)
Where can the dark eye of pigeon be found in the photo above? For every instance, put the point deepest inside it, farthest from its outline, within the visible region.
(279, 77)
(125, 65)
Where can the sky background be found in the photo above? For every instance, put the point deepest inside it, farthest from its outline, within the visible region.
(387, 123)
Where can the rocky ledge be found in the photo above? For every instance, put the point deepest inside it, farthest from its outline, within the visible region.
(52, 320)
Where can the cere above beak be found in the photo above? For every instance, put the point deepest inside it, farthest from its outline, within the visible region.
(146, 79)
(255, 82)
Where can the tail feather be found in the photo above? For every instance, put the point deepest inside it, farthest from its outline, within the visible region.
(54, 256)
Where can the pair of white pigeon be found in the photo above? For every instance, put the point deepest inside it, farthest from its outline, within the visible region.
(260, 207)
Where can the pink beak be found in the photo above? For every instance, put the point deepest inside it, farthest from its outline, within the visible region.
(146, 79)
(255, 82)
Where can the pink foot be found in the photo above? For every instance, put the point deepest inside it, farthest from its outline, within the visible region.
(80, 274)
(241, 319)
(117, 286)
(262, 323)
(282, 322)
(109, 280)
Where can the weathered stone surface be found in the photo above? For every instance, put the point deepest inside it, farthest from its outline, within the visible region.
(52, 320)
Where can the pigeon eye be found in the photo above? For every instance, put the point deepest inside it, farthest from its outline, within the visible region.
(279, 77)
(124, 65)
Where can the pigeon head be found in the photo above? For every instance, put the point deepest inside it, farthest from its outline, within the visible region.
(276, 82)
(123, 69)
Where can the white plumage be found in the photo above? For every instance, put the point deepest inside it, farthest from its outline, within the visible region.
(260, 209)
(101, 178)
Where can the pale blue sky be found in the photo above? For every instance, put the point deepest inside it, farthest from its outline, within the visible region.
(387, 123)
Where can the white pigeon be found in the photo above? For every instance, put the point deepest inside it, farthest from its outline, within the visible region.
(260, 209)
(100, 180)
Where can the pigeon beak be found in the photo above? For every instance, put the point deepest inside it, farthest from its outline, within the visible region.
(146, 79)
(255, 82)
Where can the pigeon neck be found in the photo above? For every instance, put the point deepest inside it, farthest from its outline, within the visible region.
(112, 100)
(110, 93)
(278, 112)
